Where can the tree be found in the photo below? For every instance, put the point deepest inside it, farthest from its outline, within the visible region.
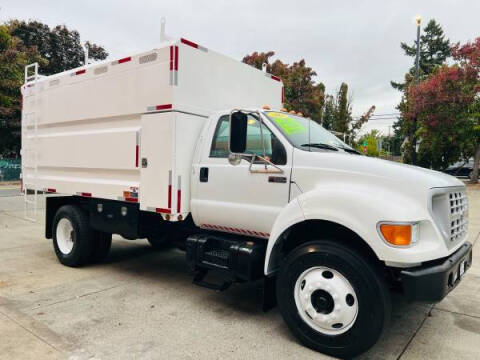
(442, 105)
(304, 95)
(371, 139)
(434, 51)
(343, 111)
(328, 118)
(13, 58)
(468, 55)
(22, 43)
(60, 46)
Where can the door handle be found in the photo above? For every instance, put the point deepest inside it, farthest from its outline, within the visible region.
(277, 179)
(204, 174)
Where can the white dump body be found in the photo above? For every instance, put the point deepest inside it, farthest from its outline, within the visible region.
(127, 129)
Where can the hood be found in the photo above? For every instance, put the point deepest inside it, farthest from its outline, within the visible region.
(337, 166)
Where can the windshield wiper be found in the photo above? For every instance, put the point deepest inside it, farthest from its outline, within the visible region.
(321, 146)
(349, 150)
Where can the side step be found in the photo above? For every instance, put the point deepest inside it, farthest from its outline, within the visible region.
(237, 258)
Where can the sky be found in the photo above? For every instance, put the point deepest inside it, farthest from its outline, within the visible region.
(352, 41)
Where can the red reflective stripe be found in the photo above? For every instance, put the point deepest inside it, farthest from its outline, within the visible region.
(189, 43)
(130, 199)
(124, 60)
(275, 78)
(163, 211)
(179, 200)
(163, 107)
(51, 190)
(176, 58)
(80, 72)
(169, 196)
(86, 194)
(171, 58)
(137, 152)
(283, 94)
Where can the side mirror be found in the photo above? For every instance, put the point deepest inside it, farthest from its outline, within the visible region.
(238, 132)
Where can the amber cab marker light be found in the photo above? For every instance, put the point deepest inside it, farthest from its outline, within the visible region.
(266, 107)
(397, 234)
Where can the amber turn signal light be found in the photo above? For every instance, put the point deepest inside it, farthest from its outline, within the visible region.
(396, 234)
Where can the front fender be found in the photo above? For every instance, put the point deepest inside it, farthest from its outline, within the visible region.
(290, 215)
(359, 208)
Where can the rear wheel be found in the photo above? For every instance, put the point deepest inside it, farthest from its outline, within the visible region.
(332, 299)
(72, 236)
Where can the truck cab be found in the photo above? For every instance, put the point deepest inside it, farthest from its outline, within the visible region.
(282, 177)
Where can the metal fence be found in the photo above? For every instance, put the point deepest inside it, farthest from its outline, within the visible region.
(10, 169)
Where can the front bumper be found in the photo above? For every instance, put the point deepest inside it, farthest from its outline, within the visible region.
(432, 281)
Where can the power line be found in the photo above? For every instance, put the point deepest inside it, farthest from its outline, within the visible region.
(384, 118)
(377, 115)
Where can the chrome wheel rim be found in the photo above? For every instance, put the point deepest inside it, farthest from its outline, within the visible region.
(65, 237)
(326, 300)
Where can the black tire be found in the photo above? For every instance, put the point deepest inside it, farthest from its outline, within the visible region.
(101, 245)
(159, 242)
(81, 236)
(374, 303)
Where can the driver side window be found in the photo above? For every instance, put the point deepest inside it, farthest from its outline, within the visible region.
(274, 149)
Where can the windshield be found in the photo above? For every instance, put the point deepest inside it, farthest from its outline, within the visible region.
(305, 133)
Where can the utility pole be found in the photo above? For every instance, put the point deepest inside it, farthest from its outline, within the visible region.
(389, 141)
(418, 21)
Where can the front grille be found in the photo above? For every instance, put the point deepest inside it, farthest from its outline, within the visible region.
(458, 214)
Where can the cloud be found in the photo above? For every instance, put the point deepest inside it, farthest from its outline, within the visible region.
(354, 41)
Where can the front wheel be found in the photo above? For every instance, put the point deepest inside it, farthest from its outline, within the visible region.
(332, 299)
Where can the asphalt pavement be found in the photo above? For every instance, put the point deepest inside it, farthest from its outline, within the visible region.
(141, 304)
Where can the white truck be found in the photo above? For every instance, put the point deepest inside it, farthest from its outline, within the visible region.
(174, 145)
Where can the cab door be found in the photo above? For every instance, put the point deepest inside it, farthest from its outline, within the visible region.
(237, 198)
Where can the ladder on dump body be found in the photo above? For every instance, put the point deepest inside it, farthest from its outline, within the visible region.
(30, 145)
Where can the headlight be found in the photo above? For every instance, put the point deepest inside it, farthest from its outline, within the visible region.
(398, 234)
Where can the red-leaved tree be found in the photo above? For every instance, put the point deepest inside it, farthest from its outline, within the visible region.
(446, 106)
